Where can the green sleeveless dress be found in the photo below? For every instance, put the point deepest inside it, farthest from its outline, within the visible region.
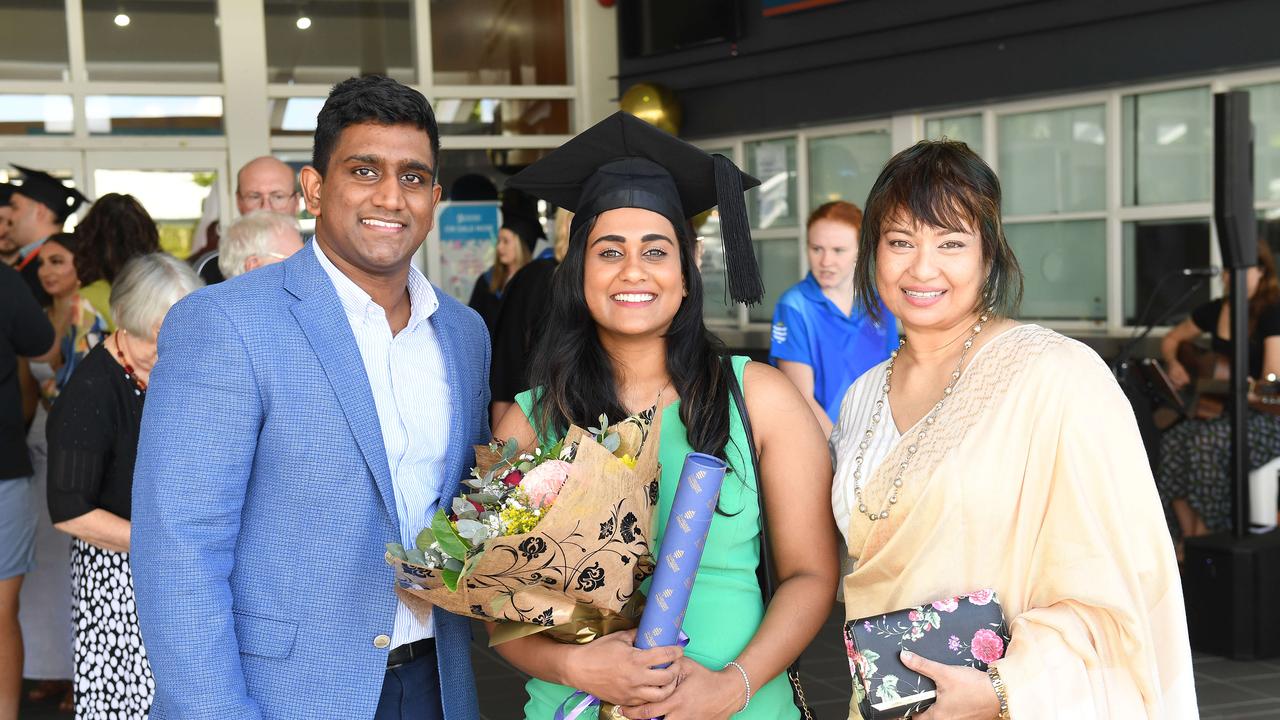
(725, 609)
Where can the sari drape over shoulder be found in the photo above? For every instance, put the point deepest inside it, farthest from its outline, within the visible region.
(1033, 481)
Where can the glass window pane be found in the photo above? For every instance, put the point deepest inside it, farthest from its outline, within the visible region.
(1269, 229)
(327, 42)
(715, 297)
(491, 116)
(294, 116)
(173, 198)
(1168, 146)
(1264, 110)
(152, 40)
(499, 42)
(846, 166)
(1064, 267)
(33, 41)
(1154, 253)
(773, 203)
(964, 128)
(1053, 161)
(35, 114)
(780, 268)
(146, 115)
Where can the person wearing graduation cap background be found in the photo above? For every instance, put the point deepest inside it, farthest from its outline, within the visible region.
(517, 237)
(9, 250)
(625, 332)
(39, 207)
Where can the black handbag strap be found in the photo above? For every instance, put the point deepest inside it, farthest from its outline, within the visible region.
(764, 571)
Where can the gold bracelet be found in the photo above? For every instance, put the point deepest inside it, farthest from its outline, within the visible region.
(997, 684)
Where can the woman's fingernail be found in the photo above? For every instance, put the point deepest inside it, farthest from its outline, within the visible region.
(907, 654)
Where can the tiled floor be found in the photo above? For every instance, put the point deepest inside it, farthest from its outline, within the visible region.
(1227, 689)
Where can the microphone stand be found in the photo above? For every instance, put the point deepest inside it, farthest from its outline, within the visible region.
(1120, 366)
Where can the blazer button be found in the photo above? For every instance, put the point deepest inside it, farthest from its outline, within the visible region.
(381, 642)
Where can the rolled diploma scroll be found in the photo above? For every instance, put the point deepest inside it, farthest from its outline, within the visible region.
(682, 544)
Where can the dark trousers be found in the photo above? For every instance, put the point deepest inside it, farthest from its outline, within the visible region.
(411, 692)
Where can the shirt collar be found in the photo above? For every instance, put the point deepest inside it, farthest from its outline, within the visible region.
(32, 247)
(358, 304)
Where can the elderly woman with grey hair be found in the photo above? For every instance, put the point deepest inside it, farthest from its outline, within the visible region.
(260, 238)
(93, 435)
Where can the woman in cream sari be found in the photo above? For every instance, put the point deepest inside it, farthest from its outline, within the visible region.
(990, 454)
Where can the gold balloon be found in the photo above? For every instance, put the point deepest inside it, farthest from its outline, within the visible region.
(654, 104)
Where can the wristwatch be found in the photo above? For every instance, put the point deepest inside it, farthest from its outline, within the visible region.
(997, 684)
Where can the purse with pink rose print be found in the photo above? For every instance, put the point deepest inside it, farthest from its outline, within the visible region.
(966, 630)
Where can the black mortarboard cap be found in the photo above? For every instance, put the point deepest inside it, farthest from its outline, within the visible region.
(49, 190)
(6, 192)
(624, 162)
(520, 216)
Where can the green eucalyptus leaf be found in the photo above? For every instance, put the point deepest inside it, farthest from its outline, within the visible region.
(425, 539)
(510, 448)
(612, 442)
(397, 551)
(453, 564)
(415, 556)
(447, 538)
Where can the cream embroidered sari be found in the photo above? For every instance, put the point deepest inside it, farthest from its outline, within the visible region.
(1033, 481)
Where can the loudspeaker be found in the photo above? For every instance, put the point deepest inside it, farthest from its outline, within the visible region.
(1233, 180)
(1232, 589)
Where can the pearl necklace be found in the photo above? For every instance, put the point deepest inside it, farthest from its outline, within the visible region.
(928, 422)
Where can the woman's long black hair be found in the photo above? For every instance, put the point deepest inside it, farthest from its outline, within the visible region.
(576, 375)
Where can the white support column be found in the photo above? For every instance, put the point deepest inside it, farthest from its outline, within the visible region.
(244, 72)
(593, 37)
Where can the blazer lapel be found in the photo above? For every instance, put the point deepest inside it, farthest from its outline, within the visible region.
(319, 312)
(461, 404)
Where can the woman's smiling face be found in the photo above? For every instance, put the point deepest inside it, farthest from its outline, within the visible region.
(929, 277)
(632, 277)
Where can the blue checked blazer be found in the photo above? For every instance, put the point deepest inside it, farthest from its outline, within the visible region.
(262, 503)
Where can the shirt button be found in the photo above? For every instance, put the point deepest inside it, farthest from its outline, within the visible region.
(381, 642)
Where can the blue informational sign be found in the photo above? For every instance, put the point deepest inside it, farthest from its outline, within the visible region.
(468, 239)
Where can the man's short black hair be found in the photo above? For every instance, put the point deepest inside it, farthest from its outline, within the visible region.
(371, 99)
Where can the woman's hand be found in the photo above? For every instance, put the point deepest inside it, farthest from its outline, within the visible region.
(1178, 375)
(700, 694)
(963, 692)
(614, 671)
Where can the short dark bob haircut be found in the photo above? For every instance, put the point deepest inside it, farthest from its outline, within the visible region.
(943, 184)
(371, 99)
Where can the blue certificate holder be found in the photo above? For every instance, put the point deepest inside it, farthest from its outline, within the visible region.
(682, 543)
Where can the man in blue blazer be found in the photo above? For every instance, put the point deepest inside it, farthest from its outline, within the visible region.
(299, 418)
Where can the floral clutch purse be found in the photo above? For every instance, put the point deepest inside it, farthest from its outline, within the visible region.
(966, 630)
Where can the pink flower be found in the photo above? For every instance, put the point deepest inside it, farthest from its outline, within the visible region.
(948, 605)
(542, 484)
(914, 616)
(867, 624)
(987, 646)
(981, 597)
(953, 643)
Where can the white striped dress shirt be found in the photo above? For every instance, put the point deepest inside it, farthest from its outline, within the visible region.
(855, 415)
(411, 393)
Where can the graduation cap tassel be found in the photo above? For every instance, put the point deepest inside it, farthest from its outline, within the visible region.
(742, 272)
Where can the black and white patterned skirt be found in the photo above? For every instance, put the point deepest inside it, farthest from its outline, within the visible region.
(112, 677)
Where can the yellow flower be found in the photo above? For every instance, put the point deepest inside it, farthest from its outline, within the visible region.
(629, 461)
(518, 520)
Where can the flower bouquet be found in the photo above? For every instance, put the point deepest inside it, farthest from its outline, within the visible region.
(555, 536)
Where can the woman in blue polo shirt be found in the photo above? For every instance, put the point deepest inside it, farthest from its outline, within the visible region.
(820, 341)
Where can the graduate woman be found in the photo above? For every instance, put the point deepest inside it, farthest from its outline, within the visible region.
(624, 333)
